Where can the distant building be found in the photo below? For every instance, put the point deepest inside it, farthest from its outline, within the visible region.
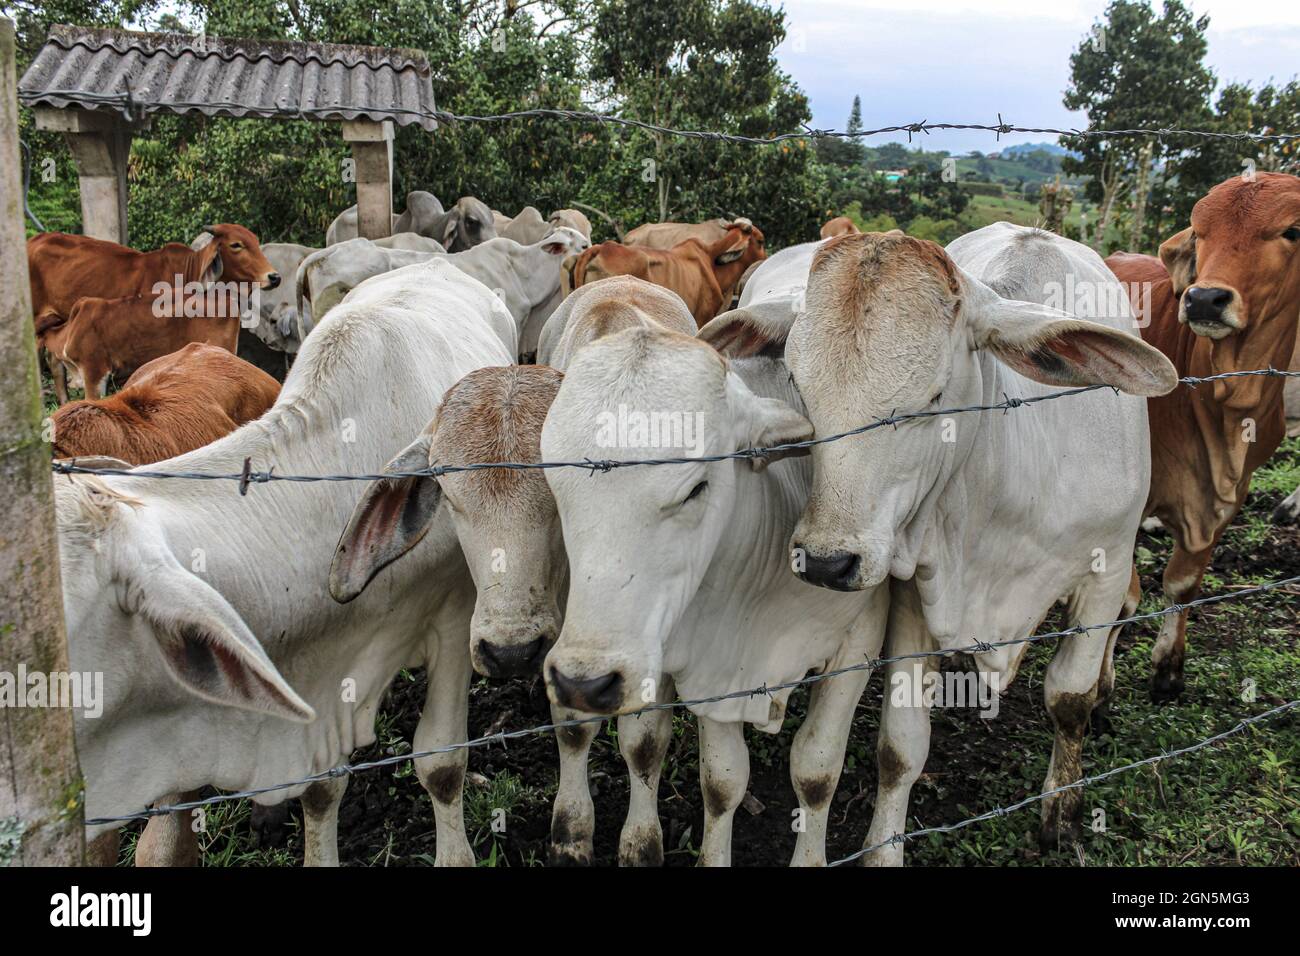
(892, 175)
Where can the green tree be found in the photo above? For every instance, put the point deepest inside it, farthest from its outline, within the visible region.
(1136, 70)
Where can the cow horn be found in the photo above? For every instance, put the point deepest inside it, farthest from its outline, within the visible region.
(211, 229)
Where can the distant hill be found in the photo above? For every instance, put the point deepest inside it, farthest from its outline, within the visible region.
(1053, 148)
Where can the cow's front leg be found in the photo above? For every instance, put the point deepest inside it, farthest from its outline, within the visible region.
(1070, 691)
(1182, 583)
(904, 739)
(445, 721)
(817, 758)
(817, 753)
(169, 840)
(573, 820)
(724, 776)
(643, 740)
(320, 821)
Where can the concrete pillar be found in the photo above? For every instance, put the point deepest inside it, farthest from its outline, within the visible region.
(372, 151)
(100, 142)
(40, 783)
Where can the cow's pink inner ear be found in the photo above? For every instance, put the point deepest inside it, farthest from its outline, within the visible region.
(390, 520)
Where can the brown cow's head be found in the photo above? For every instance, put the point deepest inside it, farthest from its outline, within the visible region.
(506, 519)
(235, 255)
(743, 243)
(1239, 263)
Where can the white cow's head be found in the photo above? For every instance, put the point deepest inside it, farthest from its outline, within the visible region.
(892, 324)
(505, 519)
(134, 613)
(640, 539)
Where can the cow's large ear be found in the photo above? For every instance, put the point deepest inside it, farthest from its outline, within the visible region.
(744, 333)
(390, 519)
(210, 265)
(735, 249)
(449, 227)
(205, 644)
(1178, 253)
(1054, 348)
(769, 422)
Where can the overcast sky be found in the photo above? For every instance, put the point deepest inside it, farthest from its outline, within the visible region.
(961, 61)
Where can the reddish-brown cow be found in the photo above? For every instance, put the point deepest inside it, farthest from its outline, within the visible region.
(1225, 299)
(172, 405)
(105, 337)
(703, 275)
(63, 268)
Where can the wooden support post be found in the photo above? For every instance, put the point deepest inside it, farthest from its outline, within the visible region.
(100, 142)
(372, 151)
(40, 781)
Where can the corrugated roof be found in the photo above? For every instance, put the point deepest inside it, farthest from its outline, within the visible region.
(168, 72)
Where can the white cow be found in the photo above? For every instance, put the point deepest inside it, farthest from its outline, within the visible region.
(526, 278)
(509, 529)
(979, 524)
(679, 580)
(225, 661)
(278, 322)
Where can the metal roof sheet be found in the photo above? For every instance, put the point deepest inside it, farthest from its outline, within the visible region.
(167, 72)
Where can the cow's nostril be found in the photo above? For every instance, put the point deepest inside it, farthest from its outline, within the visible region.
(511, 660)
(835, 571)
(597, 695)
(273, 280)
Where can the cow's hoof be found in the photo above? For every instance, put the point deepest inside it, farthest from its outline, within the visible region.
(269, 824)
(568, 854)
(1166, 687)
(641, 849)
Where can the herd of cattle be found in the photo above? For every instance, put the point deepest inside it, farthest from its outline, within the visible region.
(247, 641)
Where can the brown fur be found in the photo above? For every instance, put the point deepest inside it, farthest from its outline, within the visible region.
(172, 405)
(496, 414)
(839, 226)
(118, 336)
(1200, 465)
(64, 268)
(690, 268)
(665, 235)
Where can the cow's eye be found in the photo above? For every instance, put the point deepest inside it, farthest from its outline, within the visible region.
(236, 246)
(1292, 234)
(696, 491)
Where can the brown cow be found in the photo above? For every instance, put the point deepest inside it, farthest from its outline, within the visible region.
(105, 337)
(63, 268)
(704, 276)
(665, 235)
(839, 226)
(1225, 299)
(172, 405)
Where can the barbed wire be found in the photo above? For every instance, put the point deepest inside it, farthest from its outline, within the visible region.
(1076, 785)
(134, 106)
(871, 664)
(248, 476)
